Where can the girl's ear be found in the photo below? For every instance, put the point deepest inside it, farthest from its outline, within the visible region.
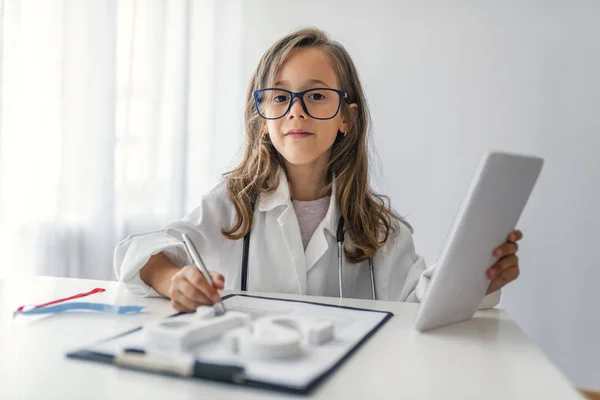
(346, 123)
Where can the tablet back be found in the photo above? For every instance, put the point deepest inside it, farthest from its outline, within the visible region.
(490, 210)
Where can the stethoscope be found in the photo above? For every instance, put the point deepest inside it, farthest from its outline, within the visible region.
(340, 245)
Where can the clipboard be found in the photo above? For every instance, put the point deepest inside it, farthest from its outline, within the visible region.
(353, 328)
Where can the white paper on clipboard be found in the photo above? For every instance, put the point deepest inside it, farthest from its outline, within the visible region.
(352, 327)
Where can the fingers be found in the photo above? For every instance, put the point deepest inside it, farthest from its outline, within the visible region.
(184, 297)
(515, 236)
(218, 280)
(193, 294)
(179, 307)
(182, 303)
(495, 285)
(195, 277)
(508, 276)
(511, 274)
(506, 269)
(189, 289)
(506, 249)
(503, 265)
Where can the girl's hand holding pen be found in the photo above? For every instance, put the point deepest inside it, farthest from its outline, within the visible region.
(189, 289)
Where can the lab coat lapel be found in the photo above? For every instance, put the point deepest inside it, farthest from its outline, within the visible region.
(291, 233)
(288, 222)
(319, 244)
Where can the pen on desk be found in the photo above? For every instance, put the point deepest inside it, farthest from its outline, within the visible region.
(193, 254)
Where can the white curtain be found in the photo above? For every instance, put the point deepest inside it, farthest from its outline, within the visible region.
(107, 124)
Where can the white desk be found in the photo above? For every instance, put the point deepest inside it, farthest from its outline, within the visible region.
(488, 357)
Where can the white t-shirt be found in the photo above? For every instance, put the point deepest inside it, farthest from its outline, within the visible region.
(310, 214)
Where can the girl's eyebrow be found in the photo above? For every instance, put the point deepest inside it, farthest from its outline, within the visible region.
(309, 82)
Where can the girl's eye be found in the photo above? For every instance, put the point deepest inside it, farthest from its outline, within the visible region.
(280, 98)
(316, 96)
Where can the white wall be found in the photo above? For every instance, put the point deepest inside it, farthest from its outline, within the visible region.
(446, 83)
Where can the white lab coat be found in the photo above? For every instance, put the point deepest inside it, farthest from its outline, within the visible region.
(277, 261)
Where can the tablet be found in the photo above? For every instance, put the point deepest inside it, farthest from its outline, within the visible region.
(490, 210)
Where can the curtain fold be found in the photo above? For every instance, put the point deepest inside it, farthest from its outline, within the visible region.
(107, 124)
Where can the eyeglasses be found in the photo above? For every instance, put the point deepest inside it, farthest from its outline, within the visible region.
(319, 103)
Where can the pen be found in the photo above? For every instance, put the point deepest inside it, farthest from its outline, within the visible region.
(193, 254)
(181, 365)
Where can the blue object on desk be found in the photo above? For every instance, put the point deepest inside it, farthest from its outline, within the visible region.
(82, 306)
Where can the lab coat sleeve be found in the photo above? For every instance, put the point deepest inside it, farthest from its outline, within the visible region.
(202, 225)
(135, 251)
(419, 275)
(407, 269)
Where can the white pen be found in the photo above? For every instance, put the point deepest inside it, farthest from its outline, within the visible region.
(193, 254)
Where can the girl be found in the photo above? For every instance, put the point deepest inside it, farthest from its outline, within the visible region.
(275, 222)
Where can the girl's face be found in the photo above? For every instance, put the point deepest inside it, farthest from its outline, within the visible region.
(300, 139)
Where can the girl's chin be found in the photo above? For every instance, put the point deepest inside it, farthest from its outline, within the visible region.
(298, 160)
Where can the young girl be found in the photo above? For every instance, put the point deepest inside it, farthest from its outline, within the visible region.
(276, 223)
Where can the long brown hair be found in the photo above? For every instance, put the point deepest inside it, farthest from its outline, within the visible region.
(369, 221)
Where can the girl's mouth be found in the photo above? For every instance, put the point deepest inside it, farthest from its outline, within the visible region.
(297, 133)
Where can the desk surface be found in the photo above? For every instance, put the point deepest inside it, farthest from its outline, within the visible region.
(487, 357)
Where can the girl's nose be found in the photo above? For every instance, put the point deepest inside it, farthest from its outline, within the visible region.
(296, 111)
